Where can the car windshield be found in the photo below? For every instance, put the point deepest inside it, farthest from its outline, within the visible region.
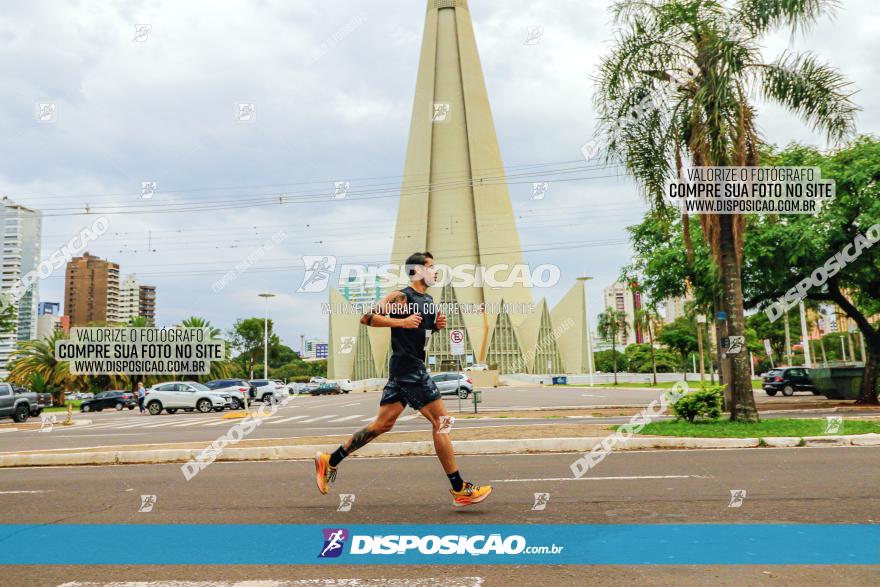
(200, 387)
(774, 373)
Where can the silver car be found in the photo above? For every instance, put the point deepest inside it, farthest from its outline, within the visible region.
(454, 384)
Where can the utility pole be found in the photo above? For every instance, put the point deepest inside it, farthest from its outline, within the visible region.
(266, 296)
(808, 362)
(787, 339)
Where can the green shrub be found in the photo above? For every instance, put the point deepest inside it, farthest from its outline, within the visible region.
(705, 404)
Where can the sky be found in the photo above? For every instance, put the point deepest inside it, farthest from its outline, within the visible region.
(332, 85)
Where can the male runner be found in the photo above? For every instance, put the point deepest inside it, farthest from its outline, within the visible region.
(411, 315)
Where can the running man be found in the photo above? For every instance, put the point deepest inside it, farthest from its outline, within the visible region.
(411, 315)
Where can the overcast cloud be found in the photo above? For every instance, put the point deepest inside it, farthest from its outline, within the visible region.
(333, 85)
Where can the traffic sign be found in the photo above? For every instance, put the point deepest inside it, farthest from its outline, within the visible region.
(456, 341)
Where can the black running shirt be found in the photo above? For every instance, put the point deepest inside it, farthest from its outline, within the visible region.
(408, 344)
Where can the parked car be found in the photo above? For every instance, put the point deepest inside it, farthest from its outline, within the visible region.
(187, 395)
(236, 388)
(344, 384)
(17, 406)
(317, 380)
(477, 367)
(117, 399)
(44, 400)
(294, 387)
(454, 384)
(326, 388)
(788, 380)
(266, 389)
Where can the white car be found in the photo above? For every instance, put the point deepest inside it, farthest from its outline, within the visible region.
(267, 389)
(187, 395)
(318, 380)
(345, 385)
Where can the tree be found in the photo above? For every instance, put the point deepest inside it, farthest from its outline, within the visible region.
(138, 322)
(8, 315)
(246, 336)
(35, 359)
(678, 82)
(611, 323)
(681, 336)
(810, 243)
(647, 319)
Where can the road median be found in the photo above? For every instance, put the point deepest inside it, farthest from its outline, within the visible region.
(475, 441)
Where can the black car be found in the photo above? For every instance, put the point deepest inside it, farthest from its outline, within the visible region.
(109, 399)
(788, 380)
(325, 389)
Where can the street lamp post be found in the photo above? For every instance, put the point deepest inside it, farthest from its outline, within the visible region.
(589, 333)
(266, 296)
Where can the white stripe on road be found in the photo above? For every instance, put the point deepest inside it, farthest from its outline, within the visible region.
(22, 491)
(348, 418)
(623, 478)
(410, 417)
(287, 419)
(371, 582)
(318, 418)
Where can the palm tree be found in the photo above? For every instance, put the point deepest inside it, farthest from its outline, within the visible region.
(611, 323)
(678, 81)
(647, 319)
(138, 322)
(36, 359)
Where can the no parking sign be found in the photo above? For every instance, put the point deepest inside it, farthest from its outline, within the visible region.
(456, 341)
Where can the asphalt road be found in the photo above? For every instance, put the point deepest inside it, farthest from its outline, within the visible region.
(818, 485)
(316, 416)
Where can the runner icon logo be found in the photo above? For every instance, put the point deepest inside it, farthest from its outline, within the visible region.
(334, 541)
(541, 500)
(346, 500)
(737, 497)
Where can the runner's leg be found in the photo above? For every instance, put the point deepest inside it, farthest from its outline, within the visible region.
(434, 411)
(383, 423)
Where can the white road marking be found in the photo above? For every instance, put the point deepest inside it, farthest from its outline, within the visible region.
(621, 478)
(288, 419)
(221, 422)
(348, 418)
(372, 582)
(319, 418)
(407, 418)
(22, 491)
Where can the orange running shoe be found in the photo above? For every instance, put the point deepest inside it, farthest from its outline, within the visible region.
(470, 494)
(324, 473)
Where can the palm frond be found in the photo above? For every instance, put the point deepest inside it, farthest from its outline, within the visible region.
(819, 93)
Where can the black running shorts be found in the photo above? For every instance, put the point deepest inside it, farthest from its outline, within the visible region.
(416, 393)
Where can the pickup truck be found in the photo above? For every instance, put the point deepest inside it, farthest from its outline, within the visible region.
(44, 400)
(17, 406)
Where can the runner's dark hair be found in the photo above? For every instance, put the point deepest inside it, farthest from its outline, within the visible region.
(416, 259)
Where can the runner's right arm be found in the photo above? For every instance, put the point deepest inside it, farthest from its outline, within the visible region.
(378, 317)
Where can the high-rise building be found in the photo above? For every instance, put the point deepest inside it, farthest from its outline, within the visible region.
(129, 298)
(46, 308)
(454, 202)
(619, 296)
(91, 290)
(48, 319)
(674, 308)
(22, 232)
(147, 303)
(315, 349)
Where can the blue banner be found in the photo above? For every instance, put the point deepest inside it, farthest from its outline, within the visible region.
(585, 544)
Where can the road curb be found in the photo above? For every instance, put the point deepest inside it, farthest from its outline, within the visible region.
(424, 448)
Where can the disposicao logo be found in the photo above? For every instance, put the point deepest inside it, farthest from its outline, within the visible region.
(334, 541)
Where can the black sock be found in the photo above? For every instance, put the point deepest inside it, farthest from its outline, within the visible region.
(337, 456)
(456, 480)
